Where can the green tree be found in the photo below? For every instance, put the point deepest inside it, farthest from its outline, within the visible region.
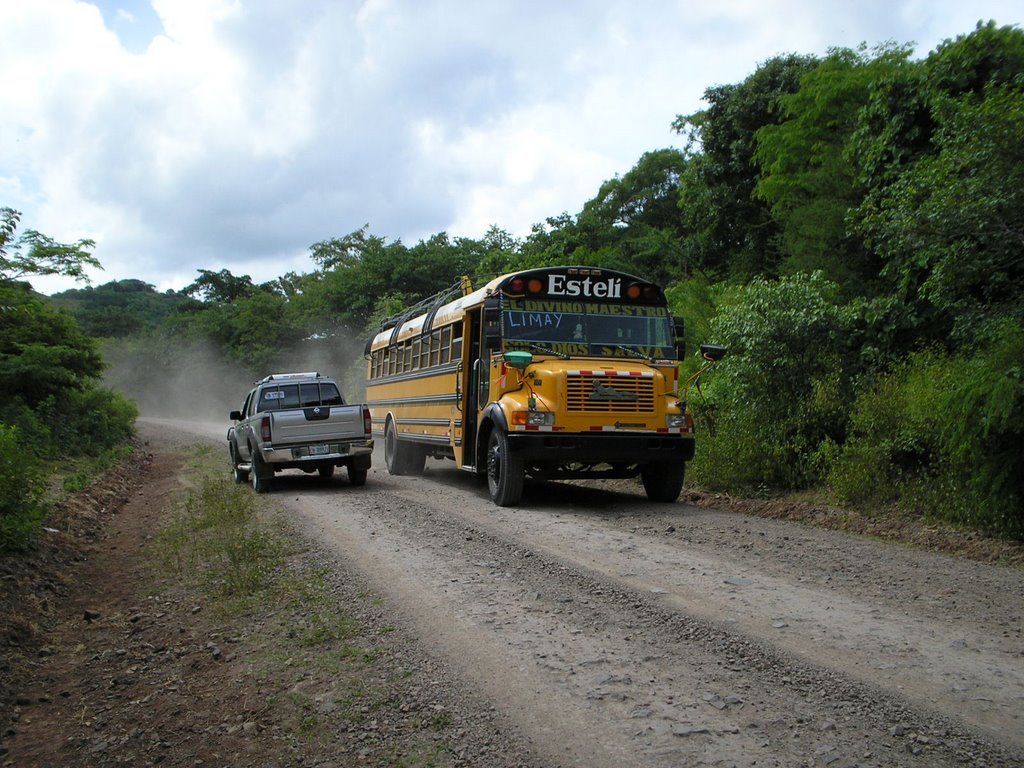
(36, 254)
(807, 176)
(357, 269)
(944, 199)
(120, 308)
(42, 351)
(219, 287)
(952, 226)
(633, 224)
(730, 230)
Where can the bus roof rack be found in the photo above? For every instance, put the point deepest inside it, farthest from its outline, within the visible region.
(421, 307)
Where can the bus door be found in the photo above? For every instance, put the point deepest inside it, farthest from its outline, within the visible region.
(483, 331)
(468, 385)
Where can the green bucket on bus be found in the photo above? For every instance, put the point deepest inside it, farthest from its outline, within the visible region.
(518, 360)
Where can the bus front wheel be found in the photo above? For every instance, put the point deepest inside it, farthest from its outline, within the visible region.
(663, 481)
(505, 471)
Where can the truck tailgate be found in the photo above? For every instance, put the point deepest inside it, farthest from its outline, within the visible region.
(306, 425)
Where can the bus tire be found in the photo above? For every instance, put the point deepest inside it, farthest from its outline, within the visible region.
(663, 481)
(401, 458)
(505, 471)
(415, 459)
(392, 452)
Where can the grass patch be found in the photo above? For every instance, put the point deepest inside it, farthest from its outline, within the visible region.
(216, 542)
(78, 474)
(324, 673)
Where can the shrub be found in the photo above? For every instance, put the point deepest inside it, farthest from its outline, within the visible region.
(942, 435)
(88, 421)
(782, 392)
(22, 508)
(895, 433)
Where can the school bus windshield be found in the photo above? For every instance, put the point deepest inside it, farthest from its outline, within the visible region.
(603, 330)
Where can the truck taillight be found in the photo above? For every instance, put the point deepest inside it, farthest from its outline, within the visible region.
(367, 422)
(265, 429)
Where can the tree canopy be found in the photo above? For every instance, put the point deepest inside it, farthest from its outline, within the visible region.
(852, 224)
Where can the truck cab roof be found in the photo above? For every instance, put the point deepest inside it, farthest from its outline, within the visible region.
(290, 376)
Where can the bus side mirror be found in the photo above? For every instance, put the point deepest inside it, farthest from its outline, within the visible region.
(518, 360)
(712, 352)
(679, 327)
(235, 415)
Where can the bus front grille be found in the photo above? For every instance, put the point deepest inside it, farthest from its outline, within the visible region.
(608, 394)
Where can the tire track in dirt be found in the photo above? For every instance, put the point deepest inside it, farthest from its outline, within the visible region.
(603, 667)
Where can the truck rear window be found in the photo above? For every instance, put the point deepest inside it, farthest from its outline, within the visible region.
(286, 396)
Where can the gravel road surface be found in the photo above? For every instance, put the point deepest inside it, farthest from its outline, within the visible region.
(618, 632)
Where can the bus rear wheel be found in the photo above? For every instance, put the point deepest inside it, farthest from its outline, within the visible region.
(505, 471)
(401, 458)
(663, 481)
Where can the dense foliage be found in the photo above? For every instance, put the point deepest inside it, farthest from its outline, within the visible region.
(52, 406)
(851, 226)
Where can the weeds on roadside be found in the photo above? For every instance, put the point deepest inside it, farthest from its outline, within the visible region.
(216, 540)
(86, 470)
(221, 542)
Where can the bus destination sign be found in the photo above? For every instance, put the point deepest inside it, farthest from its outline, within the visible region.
(582, 284)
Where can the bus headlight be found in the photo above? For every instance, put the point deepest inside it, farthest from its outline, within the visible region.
(675, 420)
(533, 418)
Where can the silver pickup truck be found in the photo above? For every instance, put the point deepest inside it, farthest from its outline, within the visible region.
(298, 421)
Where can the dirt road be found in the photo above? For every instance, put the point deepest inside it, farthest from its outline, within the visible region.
(617, 632)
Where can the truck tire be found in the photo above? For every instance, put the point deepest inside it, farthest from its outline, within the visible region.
(357, 476)
(505, 471)
(260, 477)
(240, 475)
(663, 481)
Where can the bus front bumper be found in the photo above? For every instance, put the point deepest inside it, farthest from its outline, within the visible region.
(584, 448)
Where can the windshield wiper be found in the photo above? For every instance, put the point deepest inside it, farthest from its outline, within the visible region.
(548, 351)
(635, 353)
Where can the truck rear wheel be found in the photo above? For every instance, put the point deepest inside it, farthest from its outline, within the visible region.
(505, 471)
(663, 481)
(356, 476)
(240, 475)
(260, 477)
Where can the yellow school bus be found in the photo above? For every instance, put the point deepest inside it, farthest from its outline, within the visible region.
(552, 373)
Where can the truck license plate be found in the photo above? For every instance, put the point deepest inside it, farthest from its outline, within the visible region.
(319, 450)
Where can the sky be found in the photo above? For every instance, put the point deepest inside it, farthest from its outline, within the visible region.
(234, 134)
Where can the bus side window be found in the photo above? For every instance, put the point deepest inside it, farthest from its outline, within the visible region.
(457, 343)
(407, 356)
(446, 344)
(415, 353)
(425, 352)
(435, 348)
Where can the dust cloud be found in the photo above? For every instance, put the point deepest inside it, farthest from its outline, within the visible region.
(174, 378)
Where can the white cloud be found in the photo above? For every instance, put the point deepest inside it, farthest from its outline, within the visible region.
(235, 133)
